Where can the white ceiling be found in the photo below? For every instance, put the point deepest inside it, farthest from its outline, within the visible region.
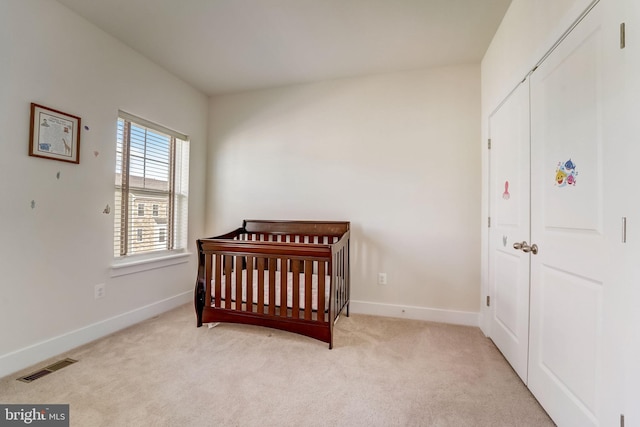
(221, 46)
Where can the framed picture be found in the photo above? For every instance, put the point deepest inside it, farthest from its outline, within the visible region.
(54, 134)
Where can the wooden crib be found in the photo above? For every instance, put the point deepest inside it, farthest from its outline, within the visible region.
(289, 275)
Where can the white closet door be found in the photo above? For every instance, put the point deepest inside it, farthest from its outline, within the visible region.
(568, 275)
(631, 350)
(509, 211)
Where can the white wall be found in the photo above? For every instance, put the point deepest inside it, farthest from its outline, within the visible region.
(395, 154)
(527, 31)
(52, 256)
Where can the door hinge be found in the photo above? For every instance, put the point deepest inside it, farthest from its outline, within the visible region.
(623, 36)
(489, 143)
(489, 222)
(488, 301)
(624, 229)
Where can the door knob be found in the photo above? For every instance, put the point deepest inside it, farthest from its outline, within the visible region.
(519, 245)
(533, 249)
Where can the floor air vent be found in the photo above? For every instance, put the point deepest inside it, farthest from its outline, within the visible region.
(47, 370)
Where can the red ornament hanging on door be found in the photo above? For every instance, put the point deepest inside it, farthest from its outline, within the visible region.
(506, 194)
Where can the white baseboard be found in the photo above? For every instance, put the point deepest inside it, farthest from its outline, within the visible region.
(468, 318)
(36, 353)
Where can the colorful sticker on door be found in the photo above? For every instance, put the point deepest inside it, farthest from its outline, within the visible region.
(566, 174)
(506, 194)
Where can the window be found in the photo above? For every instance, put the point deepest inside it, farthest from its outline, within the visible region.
(151, 169)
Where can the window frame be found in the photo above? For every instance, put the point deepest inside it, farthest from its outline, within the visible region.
(124, 248)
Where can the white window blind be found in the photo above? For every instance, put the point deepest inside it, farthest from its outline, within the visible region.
(151, 187)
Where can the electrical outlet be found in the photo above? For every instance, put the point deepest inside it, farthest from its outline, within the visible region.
(382, 278)
(99, 290)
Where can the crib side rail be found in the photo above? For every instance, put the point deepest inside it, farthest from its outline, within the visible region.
(265, 248)
(285, 281)
(340, 276)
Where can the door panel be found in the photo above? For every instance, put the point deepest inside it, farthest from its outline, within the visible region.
(631, 153)
(506, 294)
(570, 363)
(571, 131)
(568, 273)
(509, 210)
(632, 211)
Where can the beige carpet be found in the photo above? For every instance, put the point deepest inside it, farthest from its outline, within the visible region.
(381, 372)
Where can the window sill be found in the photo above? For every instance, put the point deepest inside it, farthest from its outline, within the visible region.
(137, 264)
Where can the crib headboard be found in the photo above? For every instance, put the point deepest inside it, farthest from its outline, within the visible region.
(309, 228)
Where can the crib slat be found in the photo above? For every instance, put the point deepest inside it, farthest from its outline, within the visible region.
(295, 310)
(284, 273)
(207, 280)
(341, 278)
(227, 281)
(338, 274)
(272, 286)
(238, 283)
(250, 284)
(345, 273)
(261, 285)
(334, 278)
(321, 280)
(218, 280)
(308, 291)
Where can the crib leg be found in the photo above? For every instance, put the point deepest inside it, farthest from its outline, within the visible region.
(199, 302)
(347, 309)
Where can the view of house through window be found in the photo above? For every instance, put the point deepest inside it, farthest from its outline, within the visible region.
(151, 187)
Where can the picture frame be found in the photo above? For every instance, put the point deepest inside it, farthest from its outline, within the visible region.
(54, 135)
